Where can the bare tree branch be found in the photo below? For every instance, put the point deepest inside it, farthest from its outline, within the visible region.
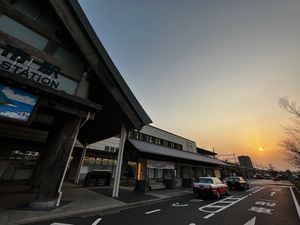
(288, 106)
(291, 144)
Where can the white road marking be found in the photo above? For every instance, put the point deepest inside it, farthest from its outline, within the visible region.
(209, 215)
(60, 224)
(217, 208)
(276, 189)
(192, 224)
(296, 202)
(196, 200)
(261, 210)
(269, 204)
(251, 189)
(251, 222)
(258, 190)
(273, 193)
(96, 221)
(267, 200)
(153, 211)
(179, 205)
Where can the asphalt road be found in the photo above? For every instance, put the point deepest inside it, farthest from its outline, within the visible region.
(263, 204)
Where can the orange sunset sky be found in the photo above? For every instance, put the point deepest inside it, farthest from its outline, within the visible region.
(210, 71)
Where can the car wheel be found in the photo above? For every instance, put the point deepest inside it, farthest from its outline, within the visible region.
(227, 192)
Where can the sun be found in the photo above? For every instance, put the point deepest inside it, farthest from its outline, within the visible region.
(260, 149)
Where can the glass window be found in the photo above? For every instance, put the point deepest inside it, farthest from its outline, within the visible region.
(165, 143)
(189, 146)
(130, 134)
(159, 174)
(136, 135)
(141, 137)
(151, 173)
(169, 144)
(204, 180)
(158, 141)
(22, 33)
(69, 58)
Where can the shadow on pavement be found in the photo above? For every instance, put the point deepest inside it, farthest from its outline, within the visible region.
(127, 196)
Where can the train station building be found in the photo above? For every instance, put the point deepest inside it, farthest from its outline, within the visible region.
(57, 84)
(153, 159)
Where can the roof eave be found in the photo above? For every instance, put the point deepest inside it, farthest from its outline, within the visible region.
(132, 102)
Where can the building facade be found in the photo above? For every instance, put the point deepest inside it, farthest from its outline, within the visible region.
(154, 159)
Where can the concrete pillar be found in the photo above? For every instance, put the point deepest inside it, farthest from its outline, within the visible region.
(76, 180)
(169, 178)
(83, 86)
(119, 162)
(71, 174)
(58, 147)
(186, 176)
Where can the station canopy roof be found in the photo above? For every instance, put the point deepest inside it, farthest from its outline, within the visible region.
(150, 148)
(108, 88)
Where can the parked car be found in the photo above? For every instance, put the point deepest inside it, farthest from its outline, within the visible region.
(237, 183)
(281, 177)
(258, 176)
(267, 176)
(210, 186)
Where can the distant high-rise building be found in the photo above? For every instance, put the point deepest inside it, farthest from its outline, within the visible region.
(245, 161)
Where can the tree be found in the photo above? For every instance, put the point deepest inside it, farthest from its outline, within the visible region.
(291, 143)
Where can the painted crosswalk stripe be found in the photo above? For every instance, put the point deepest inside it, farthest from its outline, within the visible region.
(153, 211)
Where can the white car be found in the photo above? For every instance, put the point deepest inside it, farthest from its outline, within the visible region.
(210, 186)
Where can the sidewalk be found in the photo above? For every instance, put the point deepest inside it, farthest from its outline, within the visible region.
(79, 200)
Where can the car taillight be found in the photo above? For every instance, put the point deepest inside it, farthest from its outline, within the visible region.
(214, 189)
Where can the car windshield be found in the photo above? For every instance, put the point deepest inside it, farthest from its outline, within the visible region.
(205, 180)
(234, 179)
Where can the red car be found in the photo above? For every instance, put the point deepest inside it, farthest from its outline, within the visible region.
(210, 186)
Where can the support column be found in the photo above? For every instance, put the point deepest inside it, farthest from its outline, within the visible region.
(58, 147)
(141, 182)
(71, 173)
(186, 176)
(76, 181)
(119, 162)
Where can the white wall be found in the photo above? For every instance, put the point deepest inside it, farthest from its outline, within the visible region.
(156, 132)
